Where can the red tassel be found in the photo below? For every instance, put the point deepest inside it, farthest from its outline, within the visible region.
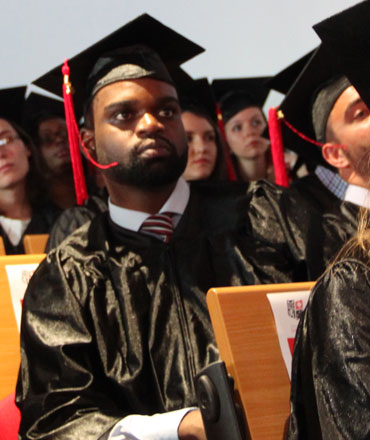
(73, 138)
(229, 165)
(277, 149)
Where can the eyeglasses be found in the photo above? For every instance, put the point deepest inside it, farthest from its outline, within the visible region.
(8, 140)
(52, 138)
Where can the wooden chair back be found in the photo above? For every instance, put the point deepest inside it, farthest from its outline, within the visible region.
(9, 333)
(2, 247)
(35, 243)
(248, 342)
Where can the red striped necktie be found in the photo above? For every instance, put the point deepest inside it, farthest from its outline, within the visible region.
(159, 225)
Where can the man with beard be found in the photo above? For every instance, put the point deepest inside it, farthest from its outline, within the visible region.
(323, 105)
(115, 323)
(330, 396)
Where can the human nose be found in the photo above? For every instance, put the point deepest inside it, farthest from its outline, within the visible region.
(148, 124)
(198, 145)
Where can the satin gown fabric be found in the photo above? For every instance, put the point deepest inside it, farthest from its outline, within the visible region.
(115, 322)
(330, 397)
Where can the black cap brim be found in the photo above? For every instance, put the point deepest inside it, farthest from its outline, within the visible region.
(198, 95)
(254, 86)
(11, 103)
(37, 107)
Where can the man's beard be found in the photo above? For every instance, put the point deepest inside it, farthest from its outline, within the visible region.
(360, 161)
(149, 173)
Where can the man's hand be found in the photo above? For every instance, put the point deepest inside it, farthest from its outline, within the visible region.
(191, 427)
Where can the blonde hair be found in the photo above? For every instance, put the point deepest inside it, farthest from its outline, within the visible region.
(359, 245)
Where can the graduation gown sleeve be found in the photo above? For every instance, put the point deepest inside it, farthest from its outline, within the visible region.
(63, 395)
(330, 397)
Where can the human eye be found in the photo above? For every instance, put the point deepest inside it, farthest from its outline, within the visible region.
(4, 141)
(210, 136)
(123, 116)
(360, 113)
(168, 112)
(256, 122)
(236, 128)
(189, 137)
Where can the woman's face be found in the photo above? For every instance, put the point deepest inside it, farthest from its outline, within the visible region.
(202, 148)
(243, 133)
(53, 142)
(14, 165)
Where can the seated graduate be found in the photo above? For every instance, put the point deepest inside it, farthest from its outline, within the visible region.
(241, 102)
(25, 206)
(320, 99)
(43, 118)
(115, 323)
(308, 107)
(206, 149)
(330, 396)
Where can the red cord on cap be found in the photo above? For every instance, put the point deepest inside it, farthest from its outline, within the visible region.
(75, 140)
(277, 148)
(230, 169)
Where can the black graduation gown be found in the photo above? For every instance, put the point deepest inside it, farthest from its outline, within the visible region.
(327, 222)
(311, 189)
(115, 322)
(72, 218)
(41, 223)
(330, 396)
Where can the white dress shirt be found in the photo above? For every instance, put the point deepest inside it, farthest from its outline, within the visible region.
(358, 195)
(14, 228)
(132, 220)
(159, 426)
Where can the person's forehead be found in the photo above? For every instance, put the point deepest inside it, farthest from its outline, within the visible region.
(134, 90)
(349, 96)
(246, 113)
(51, 123)
(194, 121)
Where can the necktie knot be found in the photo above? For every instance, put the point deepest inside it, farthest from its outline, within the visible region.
(159, 225)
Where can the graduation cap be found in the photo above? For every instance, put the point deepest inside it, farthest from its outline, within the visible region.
(304, 112)
(198, 95)
(172, 48)
(11, 103)
(38, 108)
(284, 80)
(143, 48)
(235, 94)
(347, 38)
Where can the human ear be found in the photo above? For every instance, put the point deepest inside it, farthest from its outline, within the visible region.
(88, 139)
(335, 155)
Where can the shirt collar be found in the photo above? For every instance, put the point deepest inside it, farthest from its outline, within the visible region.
(332, 181)
(132, 220)
(358, 195)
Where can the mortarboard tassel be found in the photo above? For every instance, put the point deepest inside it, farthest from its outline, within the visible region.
(277, 149)
(230, 169)
(73, 138)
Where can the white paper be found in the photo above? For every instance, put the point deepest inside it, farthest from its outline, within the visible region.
(287, 309)
(18, 278)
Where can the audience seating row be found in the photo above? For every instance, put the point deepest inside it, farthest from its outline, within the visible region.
(246, 336)
(33, 244)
